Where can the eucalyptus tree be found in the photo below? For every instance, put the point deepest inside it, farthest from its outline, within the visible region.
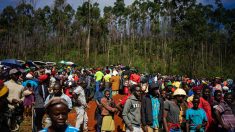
(61, 18)
(8, 22)
(87, 16)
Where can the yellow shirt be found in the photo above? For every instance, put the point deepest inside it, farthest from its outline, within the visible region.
(107, 78)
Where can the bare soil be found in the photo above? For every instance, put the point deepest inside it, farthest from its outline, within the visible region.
(26, 124)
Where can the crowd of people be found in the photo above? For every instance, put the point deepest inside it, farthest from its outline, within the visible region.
(150, 103)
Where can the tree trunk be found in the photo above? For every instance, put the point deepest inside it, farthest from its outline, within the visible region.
(88, 47)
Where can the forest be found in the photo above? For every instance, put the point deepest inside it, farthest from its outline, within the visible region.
(181, 37)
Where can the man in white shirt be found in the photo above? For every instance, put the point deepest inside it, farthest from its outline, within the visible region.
(15, 96)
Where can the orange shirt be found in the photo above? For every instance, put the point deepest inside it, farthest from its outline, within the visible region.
(115, 81)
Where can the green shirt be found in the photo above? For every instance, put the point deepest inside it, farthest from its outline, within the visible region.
(98, 75)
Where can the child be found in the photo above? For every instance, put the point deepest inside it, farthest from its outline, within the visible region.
(196, 117)
(28, 100)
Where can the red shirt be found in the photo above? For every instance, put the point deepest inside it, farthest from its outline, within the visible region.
(66, 91)
(123, 101)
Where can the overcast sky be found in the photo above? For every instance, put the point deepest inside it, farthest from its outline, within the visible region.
(103, 3)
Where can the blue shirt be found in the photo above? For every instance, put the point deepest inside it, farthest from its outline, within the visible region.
(155, 111)
(33, 83)
(68, 129)
(190, 92)
(195, 118)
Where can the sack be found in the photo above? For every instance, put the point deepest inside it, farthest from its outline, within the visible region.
(27, 93)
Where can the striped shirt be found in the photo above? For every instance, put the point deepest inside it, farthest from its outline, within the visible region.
(226, 114)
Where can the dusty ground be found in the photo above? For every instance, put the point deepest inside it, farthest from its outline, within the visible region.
(26, 125)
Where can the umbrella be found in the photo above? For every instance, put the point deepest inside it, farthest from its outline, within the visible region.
(62, 62)
(11, 63)
(74, 65)
(39, 63)
(21, 62)
(69, 63)
(51, 63)
(30, 63)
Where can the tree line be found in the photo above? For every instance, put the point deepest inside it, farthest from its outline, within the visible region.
(172, 37)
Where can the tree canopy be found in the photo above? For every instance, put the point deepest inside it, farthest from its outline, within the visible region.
(173, 37)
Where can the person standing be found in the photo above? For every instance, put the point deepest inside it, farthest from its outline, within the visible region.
(215, 102)
(224, 114)
(88, 81)
(57, 92)
(98, 117)
(40, 94)
(152, 110)
(28, 99)
(57, 109)
(132, 111)
(98, 78)
(107, 78)
(205, 91)
(108, 110)
(15, 97)
(3, 107)
(80, 107)
(115, 82)
(196, 117)
(134, 77)
(173, 110)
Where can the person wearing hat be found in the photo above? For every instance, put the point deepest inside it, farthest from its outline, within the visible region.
(135, 77)
(15, 90)
(3, 107)
(172, 111)
(152, 109)
(15, 96)
(132, 110)
(57, 109)
(57, 92)
(40, 93)
(115, 83)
